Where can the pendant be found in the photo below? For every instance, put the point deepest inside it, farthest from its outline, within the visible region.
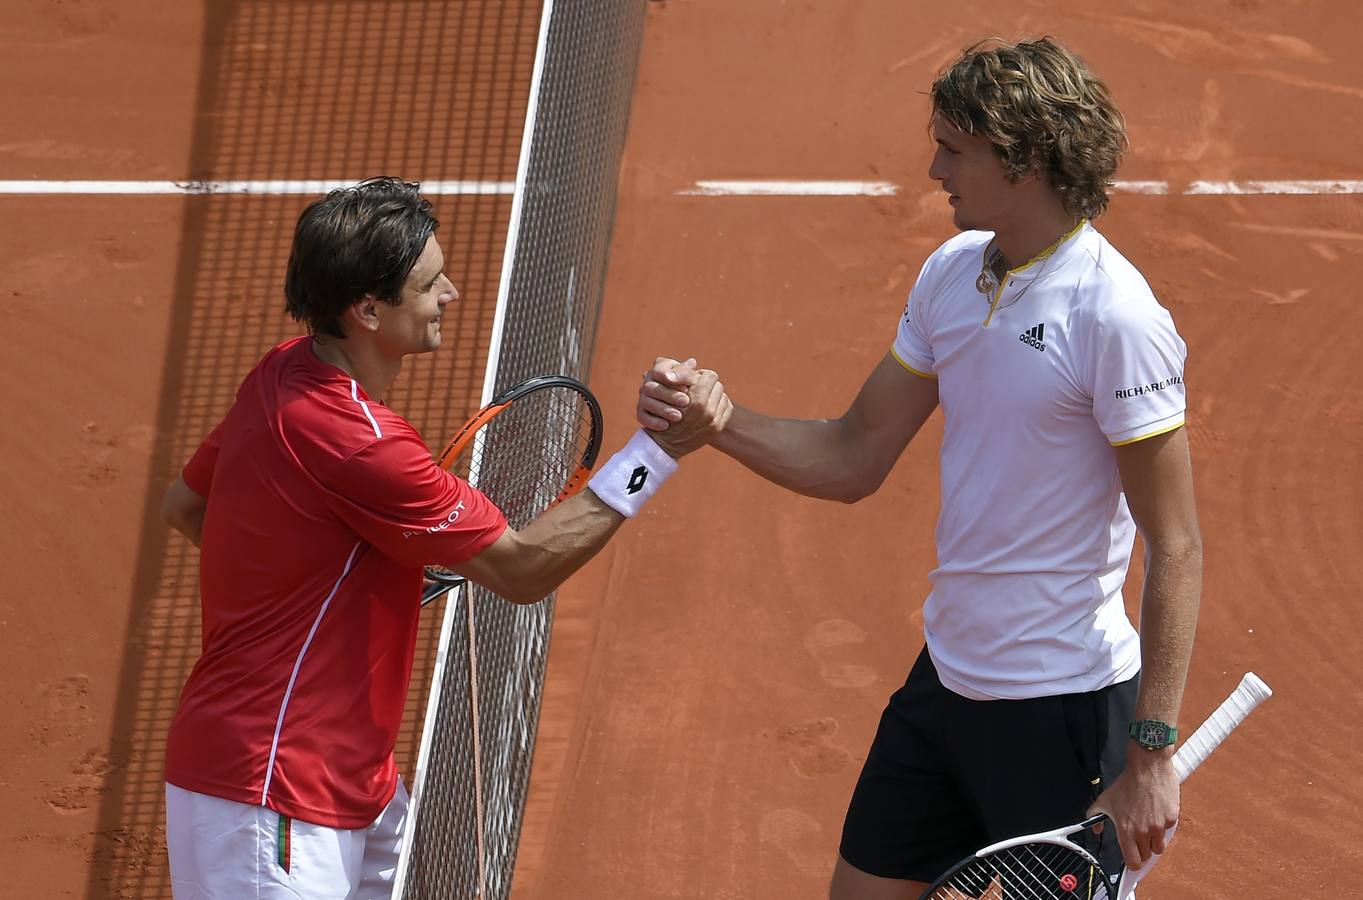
(985, 283)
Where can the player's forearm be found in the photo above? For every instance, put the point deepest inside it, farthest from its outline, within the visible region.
(815, 457)
(1169, 608)
(557, 544)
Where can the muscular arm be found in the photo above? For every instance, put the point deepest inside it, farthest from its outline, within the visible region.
(1157, 479)
(526, 566)
(842, 459)
(183, 510)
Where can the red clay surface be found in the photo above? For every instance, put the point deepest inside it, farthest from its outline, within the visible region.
(717, 673)
(717, 676)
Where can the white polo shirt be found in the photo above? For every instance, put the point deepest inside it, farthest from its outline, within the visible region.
(1072, 357)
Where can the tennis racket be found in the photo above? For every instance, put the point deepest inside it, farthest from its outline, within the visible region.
(531, 447)
(1052, 864)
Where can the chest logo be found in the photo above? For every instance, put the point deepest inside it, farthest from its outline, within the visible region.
(1035, 337)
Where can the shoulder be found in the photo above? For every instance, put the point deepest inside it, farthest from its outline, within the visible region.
(325, 414)
(963, 249)
(391, 432)
(359, 448)
(284, 357)
(270, 368)
(956, 259)
(347, 420)
(1112, 292)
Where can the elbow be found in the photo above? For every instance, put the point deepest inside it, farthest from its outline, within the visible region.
(525, 597)
(1182, 549)
(518, 593)
(859, 488)
(860, 469)
(858, 492)
(514, 568)
(526, 591)
(171, 514)
(182, 508)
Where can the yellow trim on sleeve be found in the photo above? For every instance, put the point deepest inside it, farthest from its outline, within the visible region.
(1147, 436)
(911, 368)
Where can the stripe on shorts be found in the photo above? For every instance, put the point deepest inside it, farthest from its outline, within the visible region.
(285, 850)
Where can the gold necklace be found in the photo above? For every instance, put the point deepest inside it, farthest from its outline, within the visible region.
(991, 285)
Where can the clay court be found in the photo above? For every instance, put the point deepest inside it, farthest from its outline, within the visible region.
(716, 674)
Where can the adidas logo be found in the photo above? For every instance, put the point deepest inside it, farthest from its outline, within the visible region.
(1035, 337)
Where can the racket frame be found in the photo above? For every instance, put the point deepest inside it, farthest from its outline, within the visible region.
(438, 581)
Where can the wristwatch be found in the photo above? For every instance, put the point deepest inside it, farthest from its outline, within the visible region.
(1152, 734)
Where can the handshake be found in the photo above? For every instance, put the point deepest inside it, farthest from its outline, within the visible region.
(682, 407)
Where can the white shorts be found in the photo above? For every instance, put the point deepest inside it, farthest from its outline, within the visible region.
(222, 850)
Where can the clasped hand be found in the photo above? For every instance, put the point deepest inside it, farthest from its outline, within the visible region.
(682, 407)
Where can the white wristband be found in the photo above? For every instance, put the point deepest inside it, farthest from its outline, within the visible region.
(633, 475)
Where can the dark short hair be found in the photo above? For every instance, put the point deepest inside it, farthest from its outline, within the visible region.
(355, 242)
(1043, 110)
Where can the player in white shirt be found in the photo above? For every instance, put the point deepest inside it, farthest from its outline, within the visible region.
(1060, 378)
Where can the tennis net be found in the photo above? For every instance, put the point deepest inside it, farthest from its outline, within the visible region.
(474, 763)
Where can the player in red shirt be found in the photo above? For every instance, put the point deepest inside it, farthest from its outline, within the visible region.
(313, 504)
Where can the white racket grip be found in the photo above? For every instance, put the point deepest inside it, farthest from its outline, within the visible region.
(1249, 694)
(1233, 710)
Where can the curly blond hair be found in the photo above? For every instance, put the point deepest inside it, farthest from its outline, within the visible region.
(1043, 110)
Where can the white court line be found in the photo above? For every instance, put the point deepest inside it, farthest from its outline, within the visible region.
(752, 188)
(1275, 187)
(1141, 187)
(791, 189)
(732, 188)
(234, 187)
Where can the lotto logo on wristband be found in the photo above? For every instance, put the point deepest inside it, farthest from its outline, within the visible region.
(637, 479)
(633, 475)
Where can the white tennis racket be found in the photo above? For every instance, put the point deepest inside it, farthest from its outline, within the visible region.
(1051, 865)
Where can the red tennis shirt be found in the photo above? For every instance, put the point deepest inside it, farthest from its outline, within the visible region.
(323, 506)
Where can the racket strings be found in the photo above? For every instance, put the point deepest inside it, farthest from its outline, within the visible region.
(1039, 871)
(529, 455)
(526, 456)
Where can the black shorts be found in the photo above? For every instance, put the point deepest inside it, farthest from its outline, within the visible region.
(946, 775)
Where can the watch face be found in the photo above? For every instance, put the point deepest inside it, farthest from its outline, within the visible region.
(1153, 734)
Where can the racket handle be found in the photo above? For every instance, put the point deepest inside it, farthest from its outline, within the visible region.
(1249, 694)
(433, 589)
